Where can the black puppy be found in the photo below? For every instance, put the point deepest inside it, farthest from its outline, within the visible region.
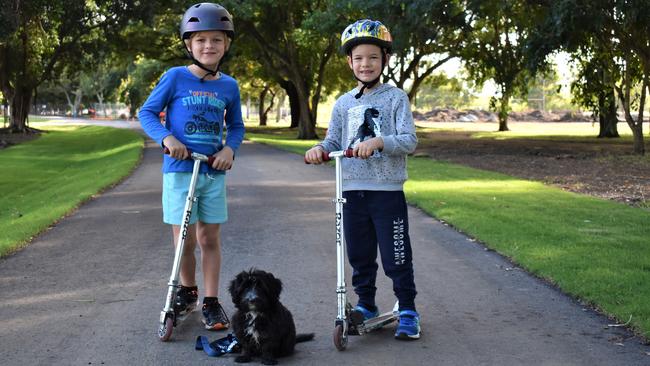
(262, 325)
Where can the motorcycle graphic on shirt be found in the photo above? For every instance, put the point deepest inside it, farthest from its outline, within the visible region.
(363, 124)
(200, 124)
(205, 125)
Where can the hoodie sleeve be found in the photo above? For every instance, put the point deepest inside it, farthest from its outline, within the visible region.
(149, 113)
(404, 140)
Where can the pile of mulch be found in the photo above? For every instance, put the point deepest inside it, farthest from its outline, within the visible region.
(477, 115)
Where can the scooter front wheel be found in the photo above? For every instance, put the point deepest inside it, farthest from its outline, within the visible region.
(340, 339)
(166, 328)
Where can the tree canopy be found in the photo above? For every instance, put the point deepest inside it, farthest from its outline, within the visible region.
(42, 37)
(294, 46)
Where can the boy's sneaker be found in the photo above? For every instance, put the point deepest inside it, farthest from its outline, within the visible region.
(187, 299)
(409, 325)
(214, 317)
(360, 314)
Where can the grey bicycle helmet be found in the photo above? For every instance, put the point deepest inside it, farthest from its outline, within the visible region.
(206, 17)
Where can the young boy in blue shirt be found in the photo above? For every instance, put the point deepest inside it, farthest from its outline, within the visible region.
(198, 98)
(374, 120)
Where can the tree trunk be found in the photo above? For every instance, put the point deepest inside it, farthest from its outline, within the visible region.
(278, 114)
(294, 104)
(637, 133)
(100, 100)
(635, 125)
(504, 108)
(78, 94)
(248, 106)
(5, 111)
(20, 103)
(264, 112)
(607, 115)
(260, 106)
(307, 125)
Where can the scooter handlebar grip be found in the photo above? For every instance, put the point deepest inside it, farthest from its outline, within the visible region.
(325, 156)
(210, 158)
(166, 151)
(349, 153)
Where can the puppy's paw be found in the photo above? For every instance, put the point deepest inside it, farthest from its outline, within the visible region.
(243, 359)
(269, 361)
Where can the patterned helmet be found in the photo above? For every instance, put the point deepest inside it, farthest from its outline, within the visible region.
(366, 31)
(206, 17)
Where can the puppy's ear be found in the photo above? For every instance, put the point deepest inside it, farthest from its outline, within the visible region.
(235, 287)
(275, 286)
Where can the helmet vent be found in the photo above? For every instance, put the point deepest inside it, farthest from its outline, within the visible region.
(193, 20)
(225, 19)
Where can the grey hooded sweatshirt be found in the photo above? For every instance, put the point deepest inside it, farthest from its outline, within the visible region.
(383, 111)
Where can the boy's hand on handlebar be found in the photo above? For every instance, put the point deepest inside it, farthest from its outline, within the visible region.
(366, 148)
(314, 155)
(223, 159)
(176, 148)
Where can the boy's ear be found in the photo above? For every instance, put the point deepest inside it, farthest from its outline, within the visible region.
(187, 44)
(227, 41)
(349, 61)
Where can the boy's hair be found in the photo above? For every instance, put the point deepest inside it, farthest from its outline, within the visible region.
(193, 34)
(366, 31)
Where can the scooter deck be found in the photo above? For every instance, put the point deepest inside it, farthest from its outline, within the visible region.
(381, 320)
(182, 315)
(360, 327)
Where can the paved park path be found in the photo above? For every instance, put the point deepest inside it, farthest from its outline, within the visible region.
(89, 290)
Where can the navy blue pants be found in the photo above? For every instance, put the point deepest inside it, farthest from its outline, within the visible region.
(375, 219)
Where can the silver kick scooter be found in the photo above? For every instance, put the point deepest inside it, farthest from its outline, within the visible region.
(168, 316)
(348, 321)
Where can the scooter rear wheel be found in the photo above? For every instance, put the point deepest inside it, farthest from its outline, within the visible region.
(165, 330)
(340, 339)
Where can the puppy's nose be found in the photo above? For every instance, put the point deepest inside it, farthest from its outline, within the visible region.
(250, 295)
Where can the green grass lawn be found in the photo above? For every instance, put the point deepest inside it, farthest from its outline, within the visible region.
(594, 249)
(45, 179)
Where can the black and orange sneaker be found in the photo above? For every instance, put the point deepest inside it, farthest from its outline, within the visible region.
(214, 317)
(187, 299)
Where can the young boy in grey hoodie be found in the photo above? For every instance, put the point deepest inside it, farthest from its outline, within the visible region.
(375, 121)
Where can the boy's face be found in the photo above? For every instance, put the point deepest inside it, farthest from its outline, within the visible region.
(208, 47)
(365, 62)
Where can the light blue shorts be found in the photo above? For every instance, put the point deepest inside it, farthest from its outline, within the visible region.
(210, 207)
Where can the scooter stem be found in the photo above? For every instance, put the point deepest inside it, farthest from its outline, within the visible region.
(340, 239)
(187, 213)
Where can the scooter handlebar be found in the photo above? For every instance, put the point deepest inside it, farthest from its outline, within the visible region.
(329, 156)
(194, 156)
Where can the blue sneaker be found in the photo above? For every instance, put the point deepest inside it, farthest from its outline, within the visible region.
(358, 316)
(367, 314)
(409, 325)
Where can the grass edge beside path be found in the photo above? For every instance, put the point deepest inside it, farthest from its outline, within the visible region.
(46, 179)
(589, 248)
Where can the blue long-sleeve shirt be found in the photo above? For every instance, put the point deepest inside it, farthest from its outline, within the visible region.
(195, 115)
